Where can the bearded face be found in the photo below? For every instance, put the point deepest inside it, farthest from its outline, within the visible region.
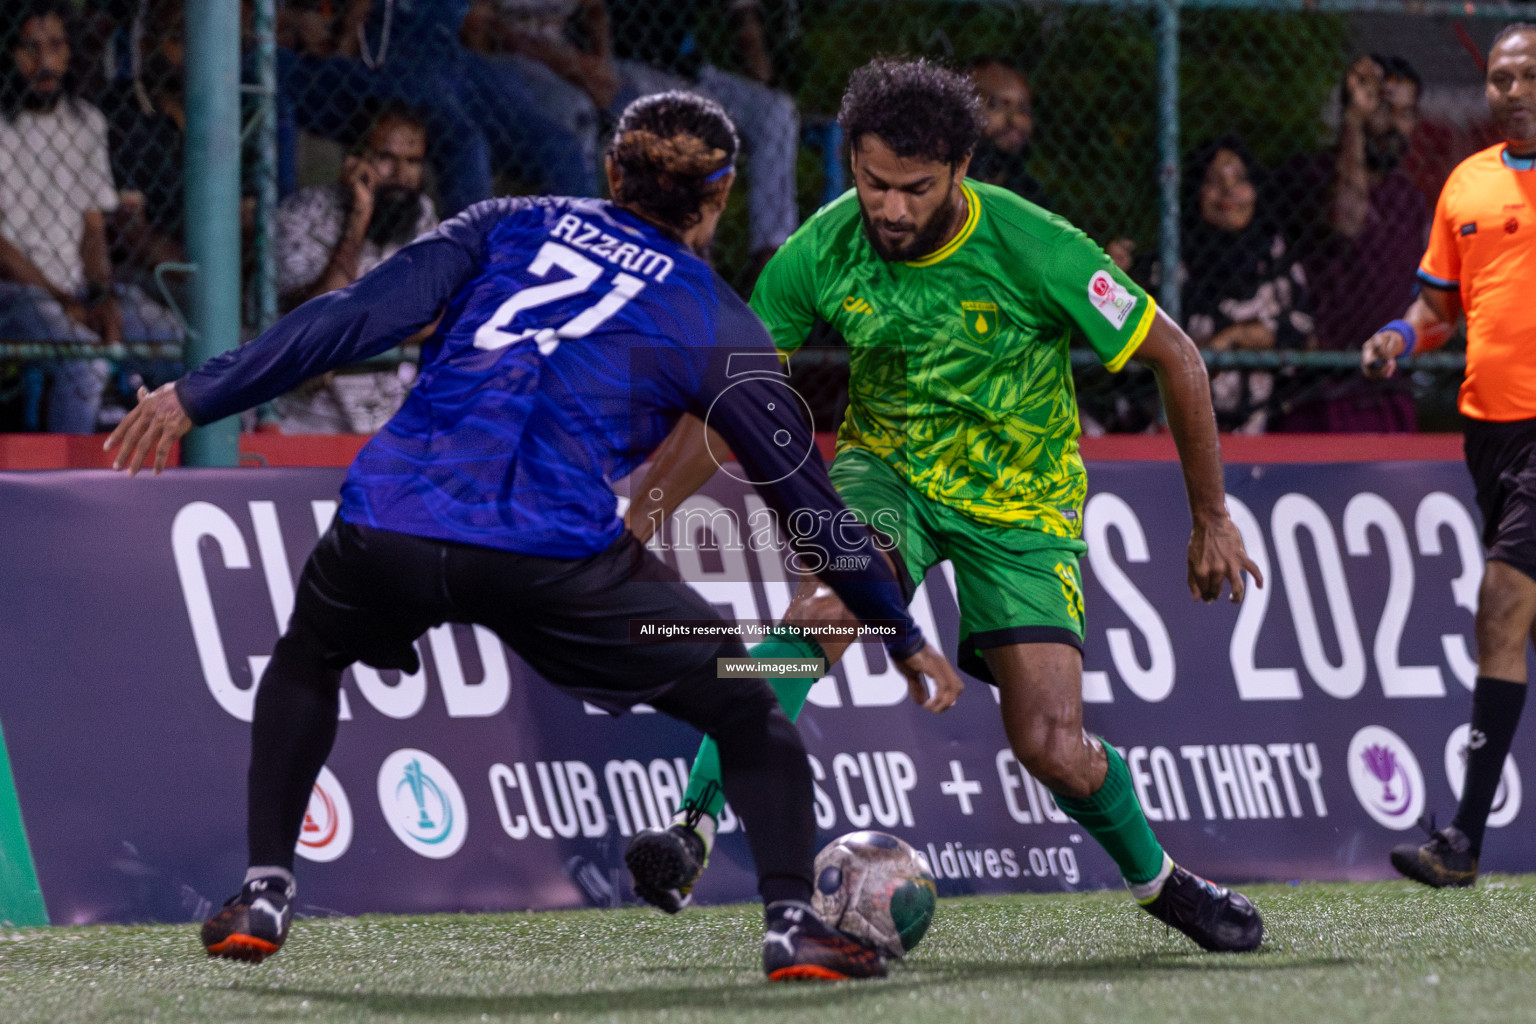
(396, 210)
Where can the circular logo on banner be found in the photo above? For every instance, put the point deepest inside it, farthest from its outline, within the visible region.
(327, 830)
(1506, 801)
(1386, 777)
(422, 803)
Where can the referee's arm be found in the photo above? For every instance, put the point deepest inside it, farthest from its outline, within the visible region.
(1430, 321)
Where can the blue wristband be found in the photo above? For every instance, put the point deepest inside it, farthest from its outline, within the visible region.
(1410, 336)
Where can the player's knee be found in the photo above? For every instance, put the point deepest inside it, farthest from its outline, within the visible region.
(1055, 752)
(1505, 611)
(299, 663)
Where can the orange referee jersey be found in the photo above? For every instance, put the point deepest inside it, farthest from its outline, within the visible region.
(1483, 242)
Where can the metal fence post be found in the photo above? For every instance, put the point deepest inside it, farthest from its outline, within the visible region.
(213, 205)
(1168, 153)
(265, 115)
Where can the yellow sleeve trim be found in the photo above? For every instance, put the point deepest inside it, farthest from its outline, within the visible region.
(972, 218)
(1137, 337)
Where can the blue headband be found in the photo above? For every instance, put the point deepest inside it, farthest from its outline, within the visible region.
(722, 172)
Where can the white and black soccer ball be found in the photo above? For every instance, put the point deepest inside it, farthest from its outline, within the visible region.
(877, 888)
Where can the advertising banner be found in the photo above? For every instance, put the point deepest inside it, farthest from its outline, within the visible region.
(1300, 735)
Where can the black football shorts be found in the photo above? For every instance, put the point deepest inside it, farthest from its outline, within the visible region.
(367, 594)
(1502, 460)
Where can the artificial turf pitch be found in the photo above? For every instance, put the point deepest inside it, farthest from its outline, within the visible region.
(1386, 951)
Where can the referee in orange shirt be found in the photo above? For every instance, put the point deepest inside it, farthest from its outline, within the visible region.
(1482, 262)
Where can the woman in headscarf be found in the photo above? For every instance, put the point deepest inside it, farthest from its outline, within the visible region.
(1242, 287)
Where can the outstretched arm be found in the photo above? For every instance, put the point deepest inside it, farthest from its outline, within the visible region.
(1432, 317)
(403, 295)
(1216, 553)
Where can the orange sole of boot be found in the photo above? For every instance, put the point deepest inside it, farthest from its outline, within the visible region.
(243, 947)
(806, 972)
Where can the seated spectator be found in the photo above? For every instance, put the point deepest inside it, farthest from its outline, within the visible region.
(329, 236)
(1241, 286)
(1360, 227)
(1005, 146)
(1004, 149)
(101, 43)
(332, 63)
(55, 193)
(146, 128)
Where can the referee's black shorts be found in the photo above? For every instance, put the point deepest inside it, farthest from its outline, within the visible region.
(366, 595)
(1502, 460)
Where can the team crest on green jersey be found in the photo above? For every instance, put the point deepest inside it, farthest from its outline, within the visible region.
(980, 320)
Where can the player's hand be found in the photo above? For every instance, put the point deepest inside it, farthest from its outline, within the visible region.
(946, 681)
(1217, 556)
(359, 176)
(154, 425)
(1378, 357)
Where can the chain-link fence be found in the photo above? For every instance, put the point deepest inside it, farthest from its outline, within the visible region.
(1289, 181)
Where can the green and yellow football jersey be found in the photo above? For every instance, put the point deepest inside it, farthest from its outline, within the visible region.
(960, 376)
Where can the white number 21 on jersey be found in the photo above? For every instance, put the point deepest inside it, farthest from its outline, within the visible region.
(584, 274)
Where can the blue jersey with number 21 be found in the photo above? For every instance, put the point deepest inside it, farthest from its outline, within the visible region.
(573, 336)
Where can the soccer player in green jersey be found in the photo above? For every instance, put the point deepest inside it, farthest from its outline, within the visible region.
(958, 300)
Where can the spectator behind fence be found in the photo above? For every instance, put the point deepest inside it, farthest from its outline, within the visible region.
(1242, 287)
(1007, 140)
(146, 111)
(1004, 149)
(1360, 226)
(526, 48)
(329, 236)
(658, 49)
(146, 126)
(55, 192)
(408, 51)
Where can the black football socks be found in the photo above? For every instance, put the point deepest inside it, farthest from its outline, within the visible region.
(1496, 707)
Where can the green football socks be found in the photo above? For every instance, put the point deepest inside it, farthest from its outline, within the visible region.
(704, 792)
(1113, 816)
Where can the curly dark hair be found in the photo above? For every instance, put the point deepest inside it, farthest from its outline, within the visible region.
(673, 151)
(13, 88)
(918, 108)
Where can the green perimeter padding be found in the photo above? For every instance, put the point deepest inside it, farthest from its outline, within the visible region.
(21, 898)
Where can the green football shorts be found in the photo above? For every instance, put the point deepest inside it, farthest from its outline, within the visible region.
(1014, 585)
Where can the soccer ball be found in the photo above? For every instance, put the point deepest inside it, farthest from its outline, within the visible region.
(876, 888)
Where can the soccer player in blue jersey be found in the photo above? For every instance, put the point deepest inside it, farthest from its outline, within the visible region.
(574, 334)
